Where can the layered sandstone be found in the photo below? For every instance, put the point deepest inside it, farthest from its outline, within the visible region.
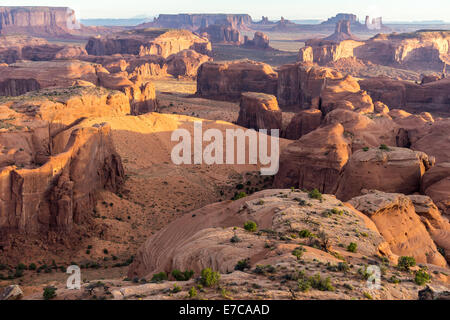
(436, 185)
(396, 219)
(219, 33)
(315, 160)
(226, 81)
(260, 41)
(142, 42)
(259, 111)
(303, 123)
(197, 21)
(395, 170)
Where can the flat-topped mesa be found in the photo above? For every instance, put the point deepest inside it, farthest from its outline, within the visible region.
(41, 21)
(195, 22)
(259, 111)
(226, 81)
(422, 49)
(150, 41)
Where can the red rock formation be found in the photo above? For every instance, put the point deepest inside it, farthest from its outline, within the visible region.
(197, 21)
(395, 170)
(431, 97)
(300, 85)
(397, 221)
(315, 160)
(436, 185)
(185, 63)
(303, 123)
(260, 41)
(144, 42)
(434, 140)
(62, 192)
(17, 87)
(341, 33)
(226, 81)
(219, 33)
(259, 111)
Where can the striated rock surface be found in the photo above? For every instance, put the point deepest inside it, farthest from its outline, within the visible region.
(397, 221)
(219, 33)
(202, 239)
(303, 123)
(315, 160)
(259, 111)
(300, 85)
(226, 81)
(396, 170)
(436, 185)
(197, 21)
(142, 42)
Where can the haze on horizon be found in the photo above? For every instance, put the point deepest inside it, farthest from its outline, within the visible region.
(398, 10)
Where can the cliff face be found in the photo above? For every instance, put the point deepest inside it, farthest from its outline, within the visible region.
(421, 49)
(36, 20)
(228, 80)
(197, 21)
(222, 34)
(144, 42)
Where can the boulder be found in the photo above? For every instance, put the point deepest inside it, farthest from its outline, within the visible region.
(185, 63)
(395, 170)
(396, 219)
(259, 111)
(432, 293)
(12, 292)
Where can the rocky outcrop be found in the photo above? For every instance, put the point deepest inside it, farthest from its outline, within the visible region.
(341, 33)
(12, 292)
(41, 21)
(219, 33)
(198, 21)
(436, 185)
(303, 123)
(432, 97)
(226, 81)
(17, 87)
(185, 63)
(315, 160)
(397, 221)
(423, 49)
(143, 42)
(433, 139)
(300, 85)
(430, 293)
(202, 239)
(48, 73)
(62, 192)
(260, 41)
(395, 170)
(259, 111)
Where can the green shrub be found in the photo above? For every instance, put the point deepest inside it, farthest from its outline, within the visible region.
(368, 295)
(240, 195)
(209, 278)
(235, 239)
(365, 149)
(352, 247)
(32, 266)
(176, 288)
(192, 292)
(405, 263)
(159, 277)
(242, 265)
(298, 252)
(305, 234)
(49, 293)
(321, 284)
(384, 147)
(315, 194)
(422, 277)
(251, 226)
(182, 276)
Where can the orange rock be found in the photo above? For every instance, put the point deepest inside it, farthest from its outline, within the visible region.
(303, 123)
(259, 111)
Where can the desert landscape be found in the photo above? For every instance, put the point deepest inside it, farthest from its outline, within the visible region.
(355, 110)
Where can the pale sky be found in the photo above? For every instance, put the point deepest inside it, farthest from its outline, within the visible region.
(391, 10)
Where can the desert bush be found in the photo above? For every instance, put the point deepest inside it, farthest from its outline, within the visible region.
(251, 226)
(209, 278)
(182, 276)
(315, 194)
(242, 265)
(49, 293)
(352, 247)
(405, 263)
(159, 277)
(422, 277)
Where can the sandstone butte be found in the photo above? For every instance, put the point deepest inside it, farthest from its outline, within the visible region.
(150, 41)
(259, 111)
(228, 80)
(413, 50)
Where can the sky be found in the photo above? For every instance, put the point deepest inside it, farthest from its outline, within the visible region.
(390, 10)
